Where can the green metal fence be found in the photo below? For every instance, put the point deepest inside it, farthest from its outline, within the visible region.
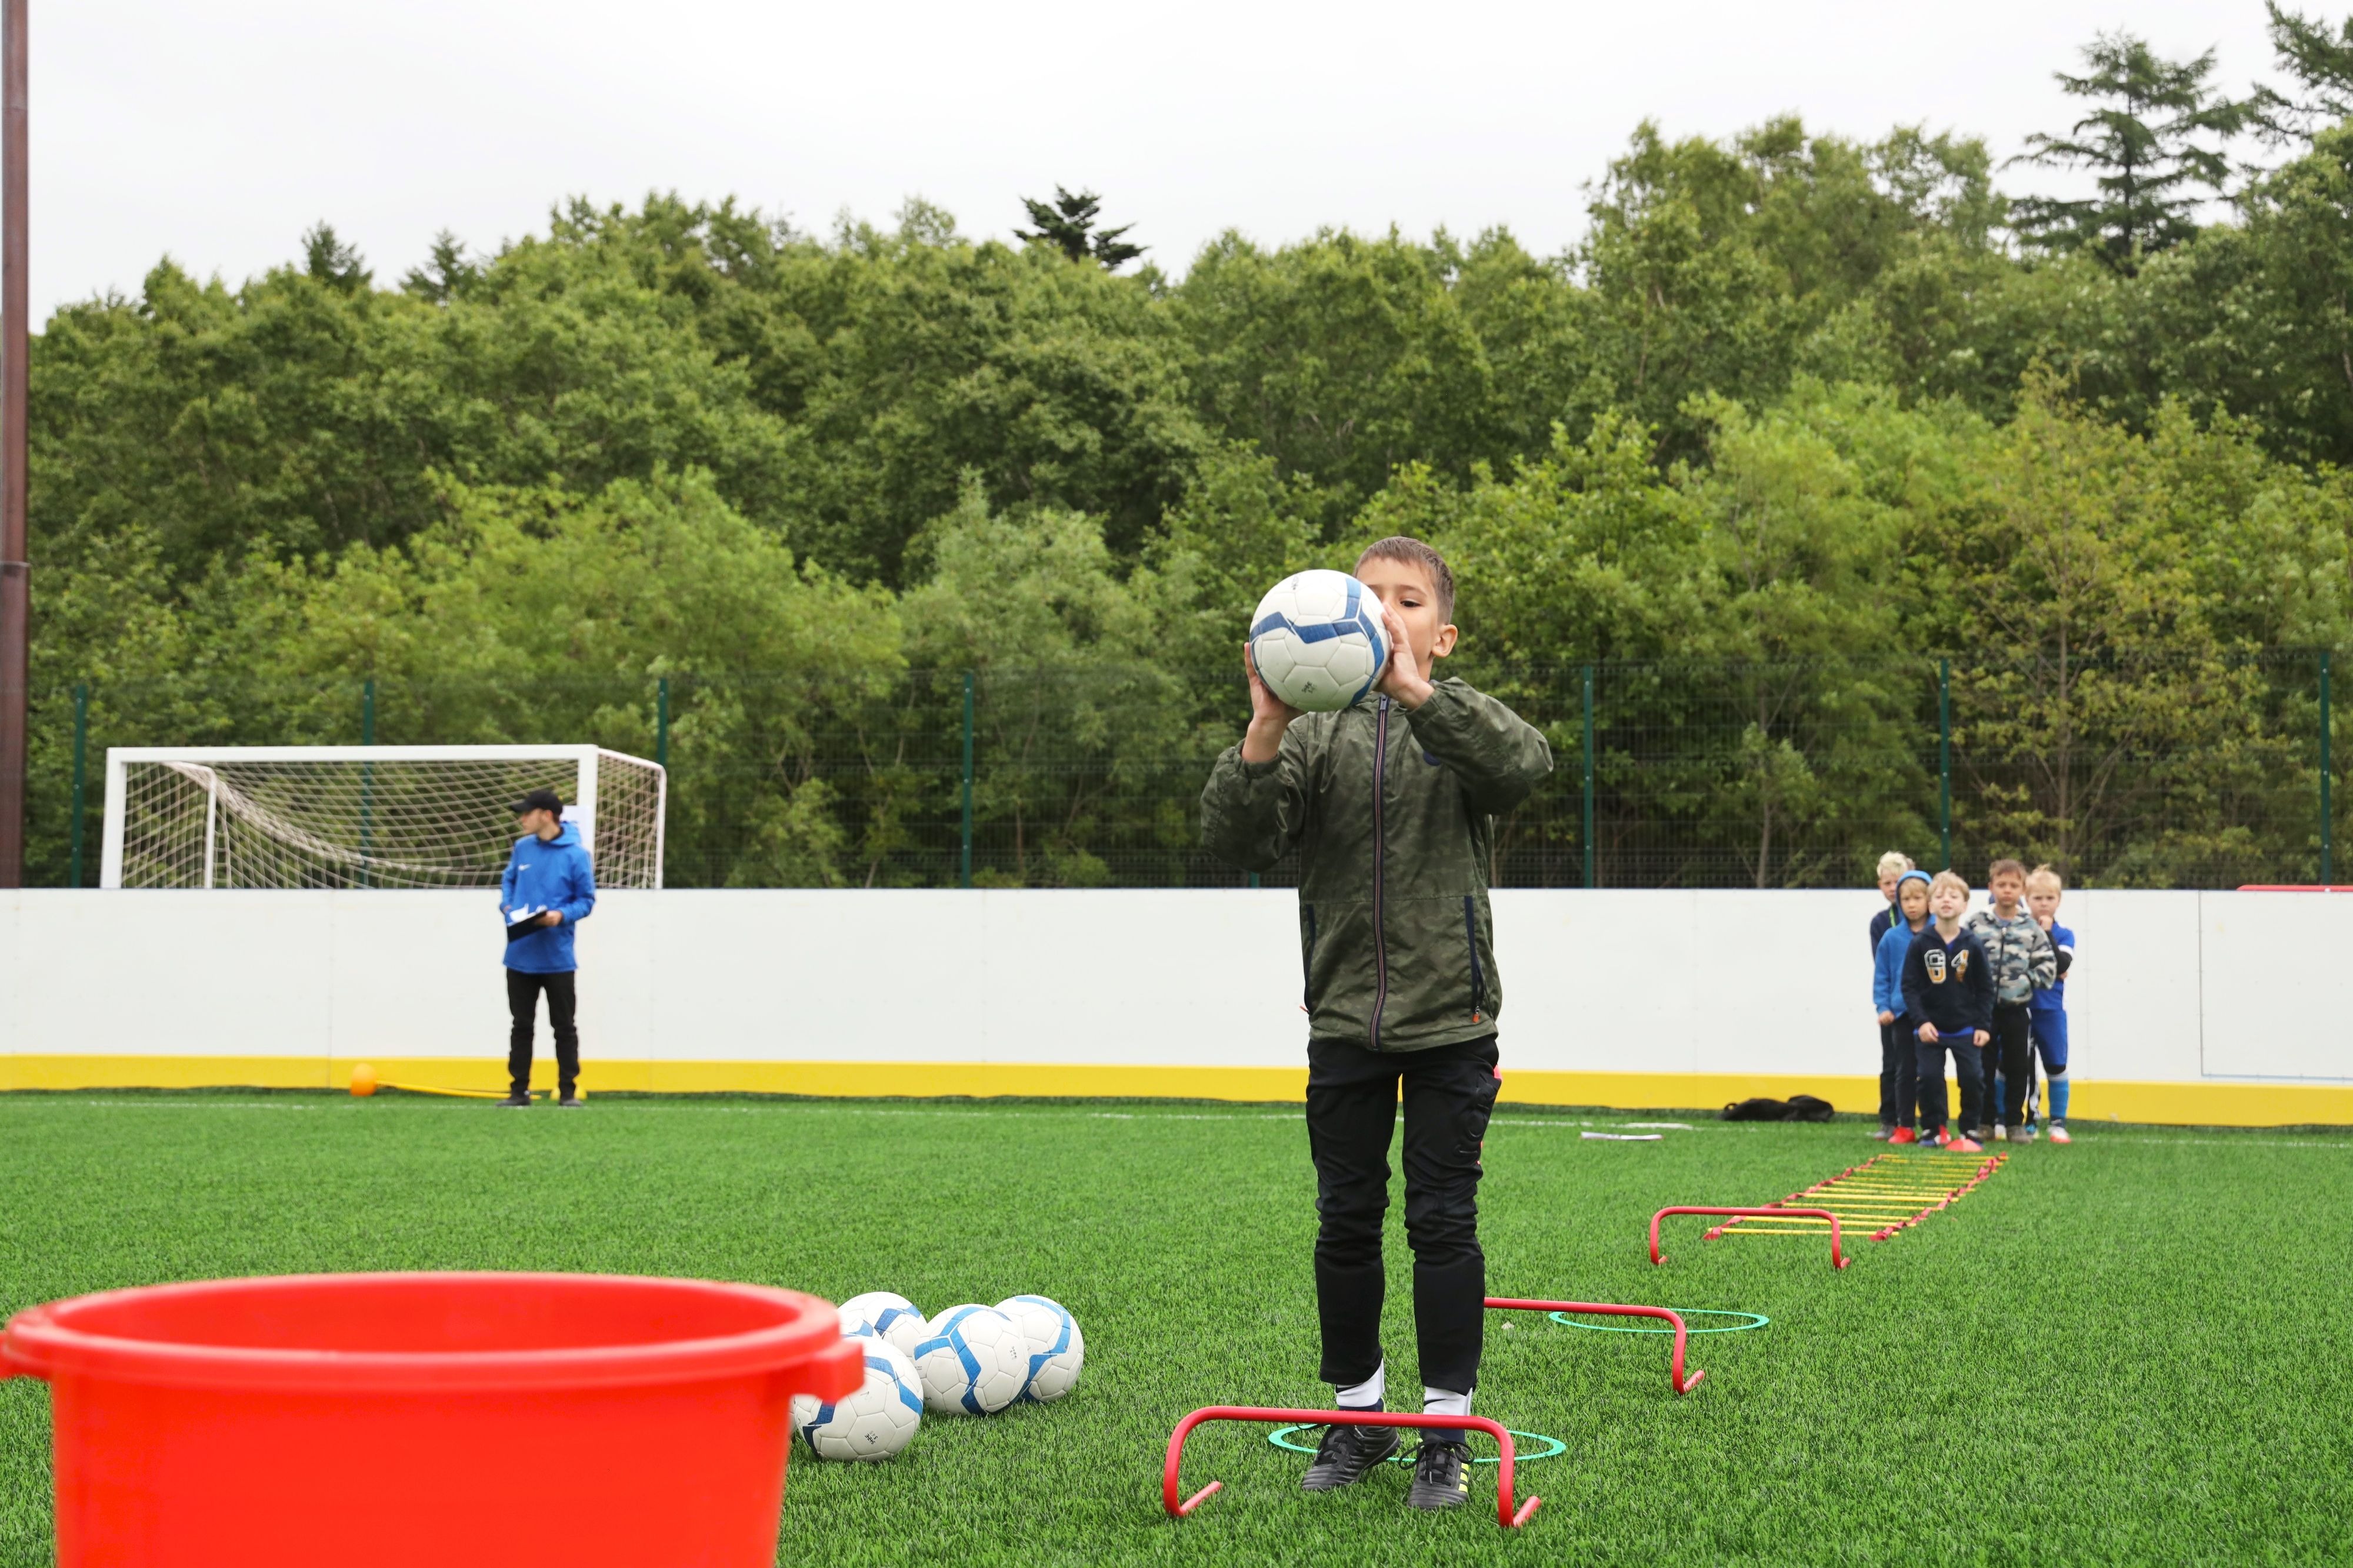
(1666, 774)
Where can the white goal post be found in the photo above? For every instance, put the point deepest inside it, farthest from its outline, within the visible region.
(366, 816)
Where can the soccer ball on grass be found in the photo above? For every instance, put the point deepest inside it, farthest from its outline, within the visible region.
(874, 1423)
(1056, 1348)
(974, 1361)
(893, 1318)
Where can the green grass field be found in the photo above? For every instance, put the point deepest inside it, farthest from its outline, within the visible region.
(2127, 1351)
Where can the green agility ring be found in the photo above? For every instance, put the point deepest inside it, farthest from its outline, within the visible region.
(1281, 1438)
(1756, 1320)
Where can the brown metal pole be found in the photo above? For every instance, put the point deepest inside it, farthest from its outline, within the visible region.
(16, 597)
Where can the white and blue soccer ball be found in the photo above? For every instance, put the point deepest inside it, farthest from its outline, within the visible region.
(892, 1319)
(973, 1360)
(1056, 1348)
(874, 1423)
(1318, 642)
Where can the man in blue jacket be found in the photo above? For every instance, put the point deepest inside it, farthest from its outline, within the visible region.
(547, 889)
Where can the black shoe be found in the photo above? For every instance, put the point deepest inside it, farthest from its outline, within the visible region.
(1346, 1455)
(571, 1102)
(1439, 1481)
(515, 1102)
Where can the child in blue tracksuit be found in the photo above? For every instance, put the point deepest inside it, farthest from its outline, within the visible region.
(2048, 1014)
(1948, 992)
(1892, 1046)
(1899, 1065)
(549, 884)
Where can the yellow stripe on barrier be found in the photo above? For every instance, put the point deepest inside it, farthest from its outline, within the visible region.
(2211, 1104)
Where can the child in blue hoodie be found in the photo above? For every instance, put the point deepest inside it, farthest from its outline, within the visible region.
(548, 889)
(1899, 1076)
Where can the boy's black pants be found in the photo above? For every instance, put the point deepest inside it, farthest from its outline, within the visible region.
(1968, 1066)
(1448, 1092)
(1899, 1072)
(522, 1007)
(2011, 1055)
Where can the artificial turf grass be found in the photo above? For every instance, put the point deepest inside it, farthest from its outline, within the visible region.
(2119, 1351)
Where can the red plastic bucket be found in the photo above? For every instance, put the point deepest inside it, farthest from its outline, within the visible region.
(428, 1420)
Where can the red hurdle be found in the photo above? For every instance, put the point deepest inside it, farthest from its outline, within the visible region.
(1168, 1487)
(1837, 1259)
(1675, 1378)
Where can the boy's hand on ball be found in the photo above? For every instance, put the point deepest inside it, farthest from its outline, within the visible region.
(1269, 717)
(1401, 681)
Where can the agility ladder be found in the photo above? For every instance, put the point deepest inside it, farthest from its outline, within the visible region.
(1887, 1193)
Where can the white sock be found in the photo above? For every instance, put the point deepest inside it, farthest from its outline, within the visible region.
(1444, 1402)
(1367, 1395)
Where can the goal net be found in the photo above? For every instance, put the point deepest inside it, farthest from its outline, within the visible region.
(366, 816)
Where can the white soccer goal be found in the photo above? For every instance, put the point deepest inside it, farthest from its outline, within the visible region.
(366, 816)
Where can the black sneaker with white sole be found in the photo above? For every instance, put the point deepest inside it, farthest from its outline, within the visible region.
(1346, 1455)
(1440, 1477)
(515, 1102)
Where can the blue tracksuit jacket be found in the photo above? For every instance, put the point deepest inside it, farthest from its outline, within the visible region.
(556, 876)
(2052, 999)
(1887, 968)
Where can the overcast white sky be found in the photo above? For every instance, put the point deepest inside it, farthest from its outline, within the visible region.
(216, 133)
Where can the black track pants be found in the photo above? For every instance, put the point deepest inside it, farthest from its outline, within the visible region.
(2011, 1055)
(522, 1007)
(1352, 1103)
(1968, 1068)
(1899, 1072)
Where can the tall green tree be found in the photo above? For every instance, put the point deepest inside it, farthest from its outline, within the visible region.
(1068, 222)
(2320, 63)
(2156, 141)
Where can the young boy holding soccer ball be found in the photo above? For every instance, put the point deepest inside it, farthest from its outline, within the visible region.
(1389, 804)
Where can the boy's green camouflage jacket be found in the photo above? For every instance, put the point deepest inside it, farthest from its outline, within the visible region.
(2023, 959)
(1389, 811)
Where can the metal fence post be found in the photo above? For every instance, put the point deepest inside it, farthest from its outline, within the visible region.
(1944, 763)
(81, 768)
(367, 780)
(1587, 840)
(661, 723)
(2327, 816)
(964, 878)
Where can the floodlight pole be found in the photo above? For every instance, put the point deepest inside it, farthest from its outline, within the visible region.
(16, 598)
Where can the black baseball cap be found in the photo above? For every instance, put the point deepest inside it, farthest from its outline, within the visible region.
(540, 800)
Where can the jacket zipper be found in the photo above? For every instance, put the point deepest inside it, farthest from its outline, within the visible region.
(1380, 855)
(1478, 980)
(1307, 964)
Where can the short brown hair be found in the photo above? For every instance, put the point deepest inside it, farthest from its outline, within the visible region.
(2006, 868)
(1409, 550)
(1949, 880)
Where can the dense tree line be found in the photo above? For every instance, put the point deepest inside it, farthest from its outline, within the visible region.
(1797, 417)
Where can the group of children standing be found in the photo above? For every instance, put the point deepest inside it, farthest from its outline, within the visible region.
(1992, 990)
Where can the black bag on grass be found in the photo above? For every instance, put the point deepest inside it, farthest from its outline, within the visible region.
(1796, 1107)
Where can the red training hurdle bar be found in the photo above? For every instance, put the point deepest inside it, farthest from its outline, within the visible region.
(1837, 1259)
(1168, 1489)
(1675, 1378)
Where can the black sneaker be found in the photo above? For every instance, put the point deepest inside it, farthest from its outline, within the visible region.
(571, 1102)
(1346, 1455)
(1439, 1481)
(515, 1102)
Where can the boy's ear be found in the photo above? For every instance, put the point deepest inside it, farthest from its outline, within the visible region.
(1444, 642)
